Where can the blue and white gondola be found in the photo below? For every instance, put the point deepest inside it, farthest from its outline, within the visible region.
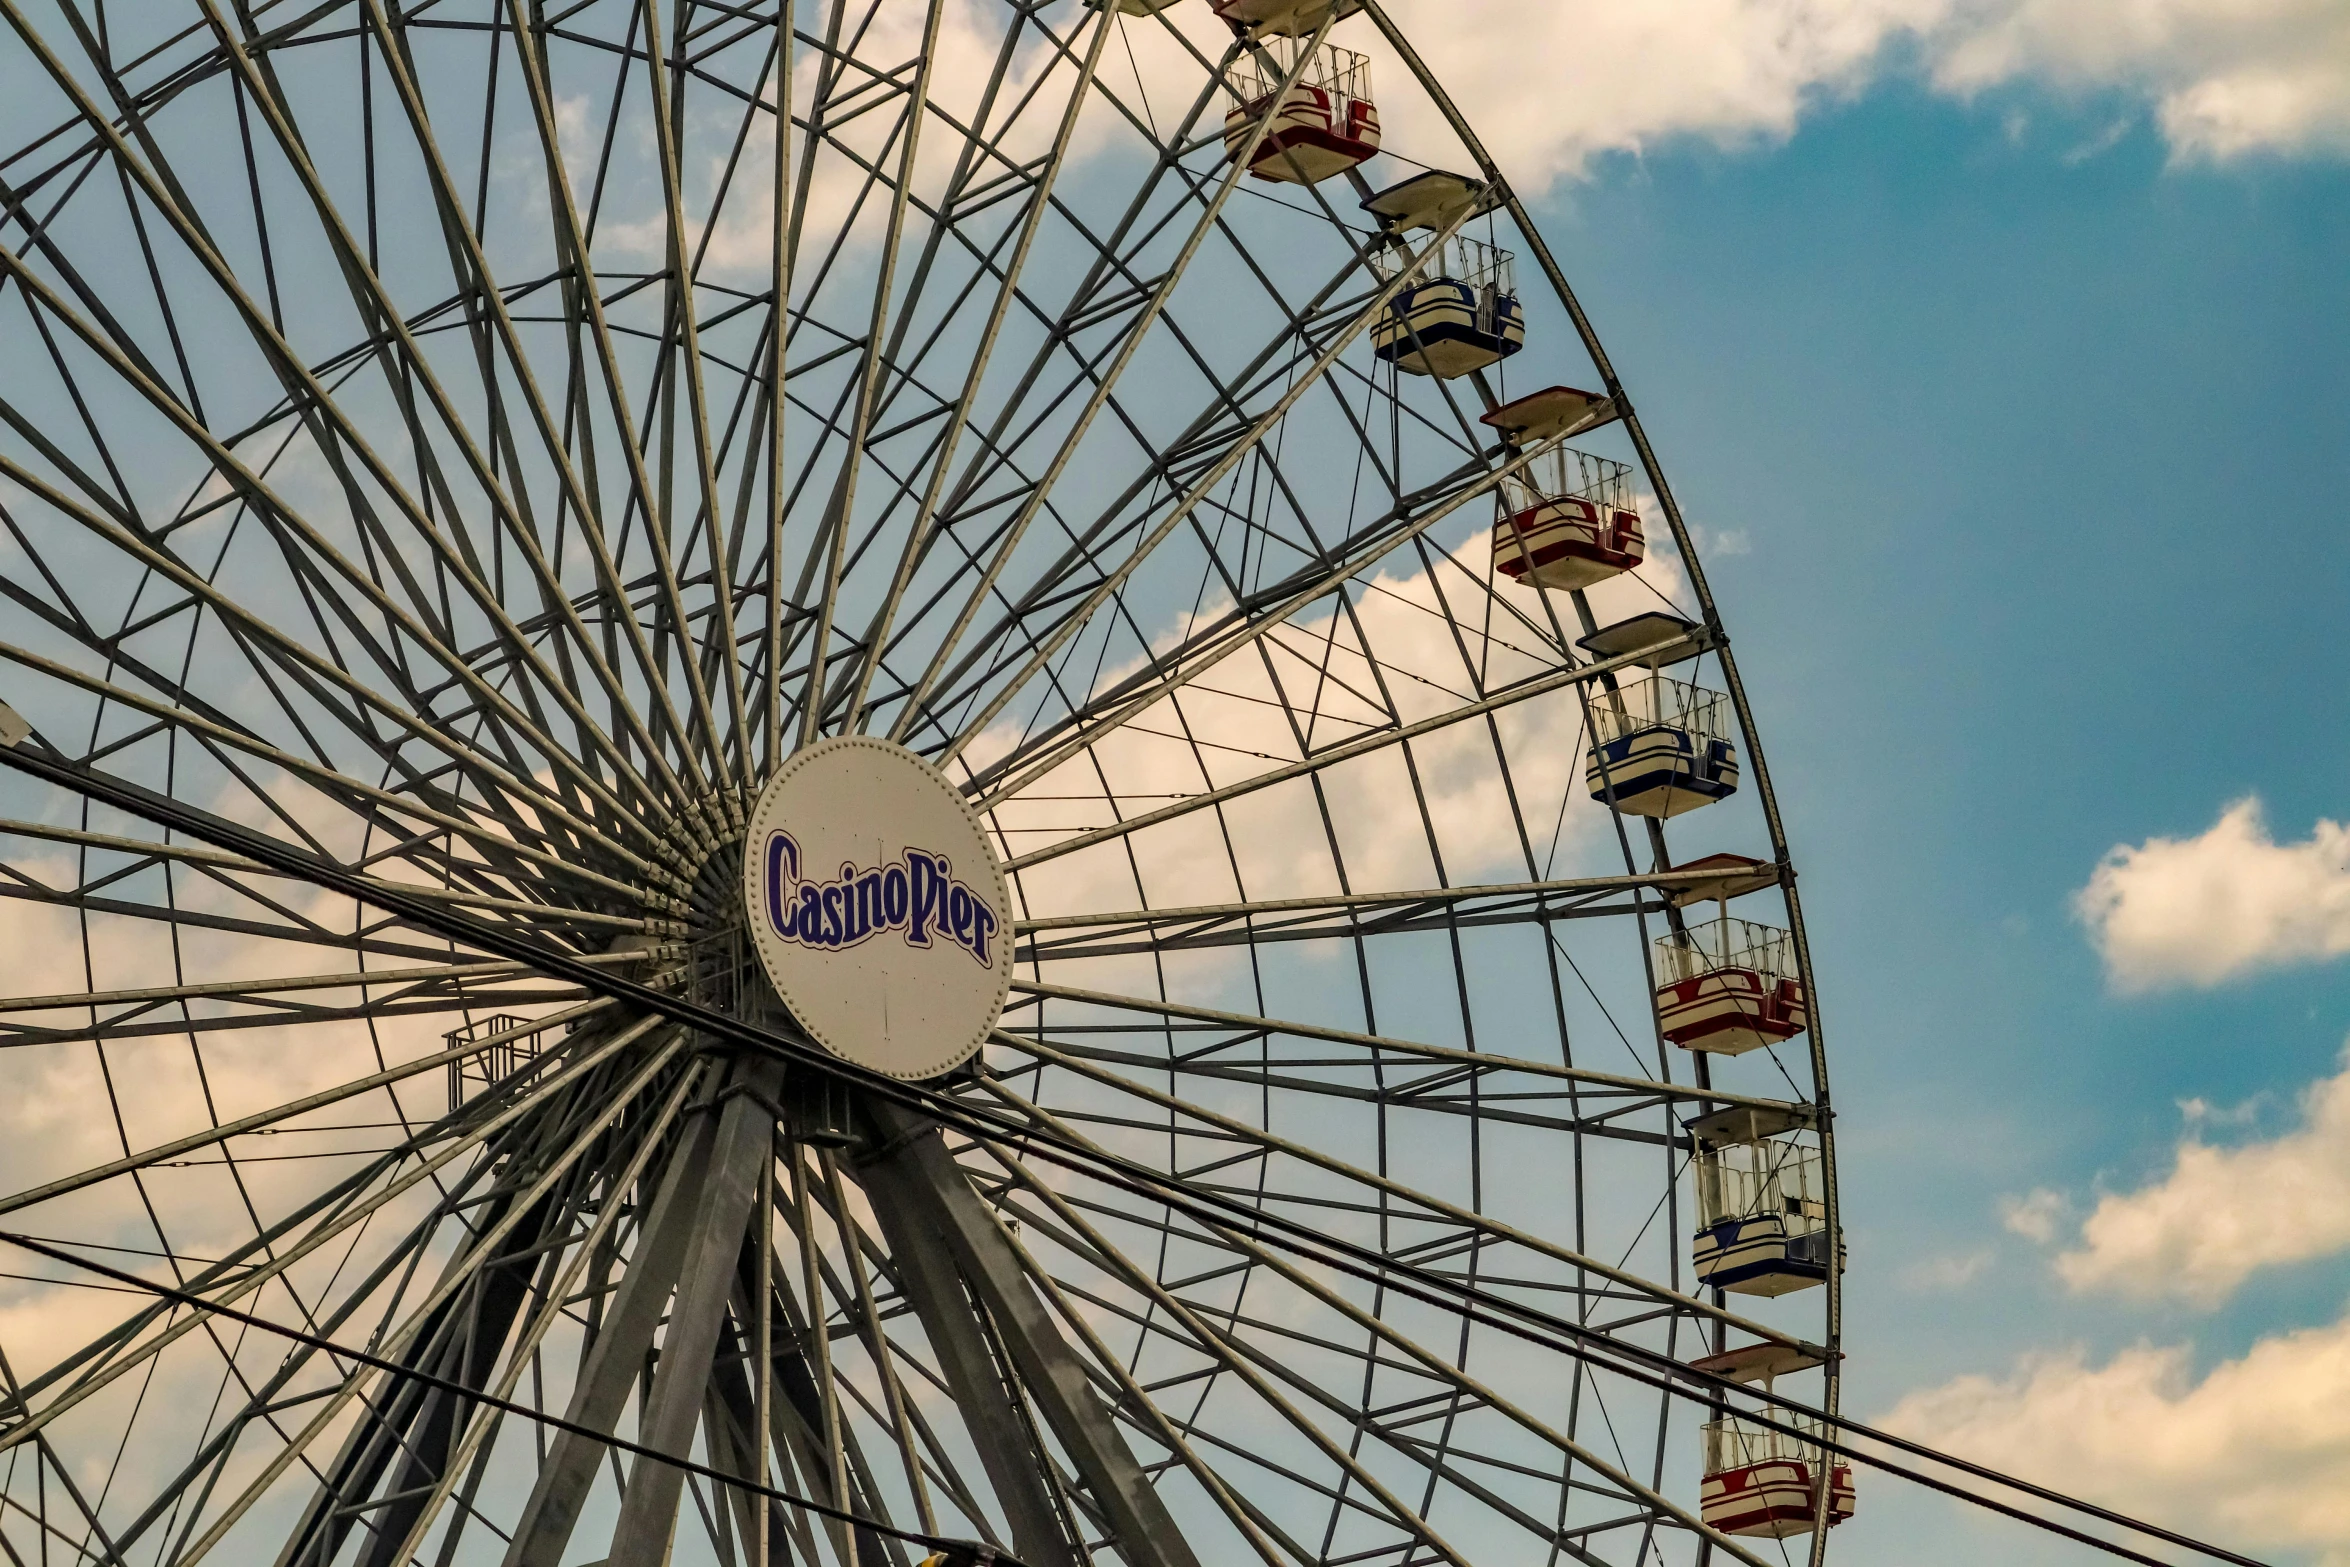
(1762, 1254)
(1444, 327)
(1661, 770)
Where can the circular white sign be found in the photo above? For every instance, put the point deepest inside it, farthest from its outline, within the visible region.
(877, 907)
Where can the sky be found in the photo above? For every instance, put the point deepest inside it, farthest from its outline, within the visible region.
(2000, 353)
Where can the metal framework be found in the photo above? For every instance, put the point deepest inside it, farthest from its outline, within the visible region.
(450, 454)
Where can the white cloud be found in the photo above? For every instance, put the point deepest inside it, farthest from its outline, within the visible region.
(2035, 1215)
(2255, 1454)
(2197, 911)
(1935, 1275)
(1623, 78)
(2221, 1213)
(2222, 78)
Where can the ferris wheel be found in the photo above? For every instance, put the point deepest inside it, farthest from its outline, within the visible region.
(841, 781)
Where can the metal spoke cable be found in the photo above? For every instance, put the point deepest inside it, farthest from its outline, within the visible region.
(1209, 1208)
(132, 1282)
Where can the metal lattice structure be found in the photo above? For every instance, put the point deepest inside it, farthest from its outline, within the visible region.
(404, 462)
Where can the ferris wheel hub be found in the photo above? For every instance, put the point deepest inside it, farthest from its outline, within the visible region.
(877, 908)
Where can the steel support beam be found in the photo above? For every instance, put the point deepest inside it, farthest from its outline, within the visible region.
(715, 1226)
(926, 1275)
(945, 1206)
(617, 1356)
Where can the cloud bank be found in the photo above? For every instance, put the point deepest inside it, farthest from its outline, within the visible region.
(2220, 79)
(2256, 1452)
(2222, 1213)
(2198, 911)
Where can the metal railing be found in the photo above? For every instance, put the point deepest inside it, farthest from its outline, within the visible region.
(500, 1062)
(1656, 701)
(1459, 259)
(1731, 1443)
(1339, 72)
(1562, 473)
(1725, 943)
(1756, 1180)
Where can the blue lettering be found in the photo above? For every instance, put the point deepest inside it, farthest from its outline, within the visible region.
(917, 894)
(780, 849)
(927, 889)
(983, 933)
(855, 927)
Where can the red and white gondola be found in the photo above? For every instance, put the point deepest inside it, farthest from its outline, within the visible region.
(1568, 542)
(1758, 1481)
(1728, 986)
(1776, 1498)
(1324, 125)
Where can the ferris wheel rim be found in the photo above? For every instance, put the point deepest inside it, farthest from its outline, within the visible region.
(703, 809)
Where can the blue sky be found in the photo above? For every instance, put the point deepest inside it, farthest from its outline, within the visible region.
(2029, 454)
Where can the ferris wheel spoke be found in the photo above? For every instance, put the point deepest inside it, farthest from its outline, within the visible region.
(1330, 756)
(1300, 324)
(452, 1331)
(1231, 451)
(403, 992)
(249, 1281)
(1245, 627)
(1129, 1400)
(413, 366)
(1447, 1215)
(1344, 914)
(926, 526)
(708, 1167)
(925, 1457)
(706, 1265)
(1040, 204)
(164, 1153)
(684, 318)
(13, 885)
(333, 434)
(585, 315)
(828, 1427)
(927, 1206)
(1487, 1101)
(1458, 1065)
(223, 740)
(1394, 1510)
(222, 875)
(878, 1349)
(840, 508)
(827, 1445)
(505, 788)
(1236, 1350)
(594, 1247)
(509, 1219)
(1451, 1378)
(276, 1017)
(1152, 302)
